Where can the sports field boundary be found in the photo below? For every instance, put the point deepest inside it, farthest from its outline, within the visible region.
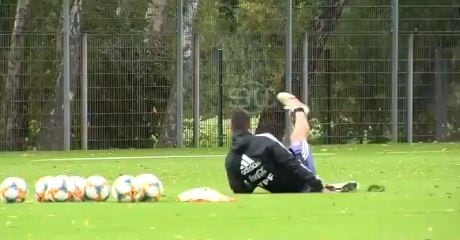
(413, 152)
(145, 157)
(125, 158)
(151, 157)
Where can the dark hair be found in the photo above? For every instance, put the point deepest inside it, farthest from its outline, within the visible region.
(240, 120)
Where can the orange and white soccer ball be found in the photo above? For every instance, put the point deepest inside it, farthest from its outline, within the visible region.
(127, 188)
(41, 189)
(97, 189)
(151, 187)
(13, 190)
(80, 184)
(61, 189)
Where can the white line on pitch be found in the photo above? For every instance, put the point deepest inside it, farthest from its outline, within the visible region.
(143, 157)
(416, 152)
(122, 158)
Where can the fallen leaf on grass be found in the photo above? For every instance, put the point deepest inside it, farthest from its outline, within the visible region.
(376, 188)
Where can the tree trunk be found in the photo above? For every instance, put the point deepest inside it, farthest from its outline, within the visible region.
(168, 134)
(326, 23)
(273, 118)
(157, 41)
(156, 16)
(51, 134)
(13, 108)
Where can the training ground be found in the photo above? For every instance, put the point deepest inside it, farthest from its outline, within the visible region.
(421, 200)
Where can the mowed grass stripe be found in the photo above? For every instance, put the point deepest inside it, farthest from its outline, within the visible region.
(421, 200)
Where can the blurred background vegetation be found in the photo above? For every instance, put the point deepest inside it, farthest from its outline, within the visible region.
(132, 57)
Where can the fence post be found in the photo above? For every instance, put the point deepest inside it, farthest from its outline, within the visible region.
(179, 73)
(394, 68)
(305, 69)
(288, 65)
(440, 89)
(327, 56)
(196, 90)
(84, 92)
(66, 70)
(410, 90)
(220, 103)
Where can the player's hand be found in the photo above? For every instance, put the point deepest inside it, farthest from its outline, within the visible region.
(316, 185)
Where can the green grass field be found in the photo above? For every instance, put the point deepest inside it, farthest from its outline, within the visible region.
(421, 201)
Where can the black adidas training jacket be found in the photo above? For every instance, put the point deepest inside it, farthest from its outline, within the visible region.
(261, 160)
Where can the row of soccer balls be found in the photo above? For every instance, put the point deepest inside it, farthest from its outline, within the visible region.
(62, 188)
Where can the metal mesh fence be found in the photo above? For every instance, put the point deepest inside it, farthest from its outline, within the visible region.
(351, 89)
(36, 85)
(124, 92)
(132, 70)
(435, 86)
(250, 40)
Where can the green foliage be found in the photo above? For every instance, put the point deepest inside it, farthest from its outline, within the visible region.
(45, 17)
(209, 132)
(122, 16)
(251, 39)
(317, 132)
(34, 129)
(130, 76)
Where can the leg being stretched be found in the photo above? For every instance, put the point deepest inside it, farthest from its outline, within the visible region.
(301, 130)
(299, 135)
(299, 138)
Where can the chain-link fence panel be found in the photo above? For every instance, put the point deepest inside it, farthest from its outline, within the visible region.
(341, 49)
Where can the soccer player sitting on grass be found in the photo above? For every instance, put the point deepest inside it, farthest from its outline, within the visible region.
(263, 161)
